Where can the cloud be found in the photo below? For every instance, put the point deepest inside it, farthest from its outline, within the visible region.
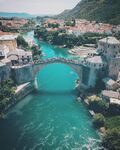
(37, 6)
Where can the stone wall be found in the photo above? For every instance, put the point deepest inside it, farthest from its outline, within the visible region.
(11, 44)
(109, 50)
(25, 91)
(22, 74)
(5, 72)
(114, 68)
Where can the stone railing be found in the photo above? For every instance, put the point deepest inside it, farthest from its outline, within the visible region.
(62, 60)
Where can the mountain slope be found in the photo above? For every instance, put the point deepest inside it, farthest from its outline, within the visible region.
(99, 10)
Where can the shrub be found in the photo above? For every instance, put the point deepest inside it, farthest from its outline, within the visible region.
(7, 93)
(114, 109)
(36, 52)
(98, 120)
(98, 105)
(111, 140)
(21, 42)
(112, 122)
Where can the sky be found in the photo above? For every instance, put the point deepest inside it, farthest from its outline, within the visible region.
(37, 6)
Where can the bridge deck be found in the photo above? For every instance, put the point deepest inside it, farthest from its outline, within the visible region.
(62, 60)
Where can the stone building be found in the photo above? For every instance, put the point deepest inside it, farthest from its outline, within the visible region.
(3, 51)
(9, 41)
(19, 57)
(110, 48)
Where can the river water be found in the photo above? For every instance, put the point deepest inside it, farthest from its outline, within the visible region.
(50, 118)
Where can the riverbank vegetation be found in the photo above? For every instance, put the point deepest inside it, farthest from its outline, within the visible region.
(106, 116)
(98, 120)
(21, 42)
(7, 95)
(36, 52)
(60, 37)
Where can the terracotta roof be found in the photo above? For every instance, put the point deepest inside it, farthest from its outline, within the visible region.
(111, 94)
(7, 33)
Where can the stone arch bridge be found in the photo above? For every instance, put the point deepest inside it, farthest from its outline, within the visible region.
(87, 75)
(79, 66)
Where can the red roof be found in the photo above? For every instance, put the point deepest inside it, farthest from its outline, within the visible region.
(6, 33)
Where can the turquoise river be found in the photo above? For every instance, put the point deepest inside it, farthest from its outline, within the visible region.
(50, 118)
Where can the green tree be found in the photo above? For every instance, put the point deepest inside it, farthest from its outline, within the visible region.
(21, 42)
(111, 140)
(98, 120)
(36, 52)
(99, 106)
(112, 122)
(7, 93)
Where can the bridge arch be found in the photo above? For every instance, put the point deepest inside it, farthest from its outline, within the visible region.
(77, 68)
(87, 75)
(41, 64)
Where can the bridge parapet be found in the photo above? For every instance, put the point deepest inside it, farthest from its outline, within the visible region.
(63, 60)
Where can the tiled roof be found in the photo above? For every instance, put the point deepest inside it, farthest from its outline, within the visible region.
(6, 33)
(111, 94)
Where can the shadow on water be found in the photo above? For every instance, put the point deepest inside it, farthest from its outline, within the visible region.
(53, 93)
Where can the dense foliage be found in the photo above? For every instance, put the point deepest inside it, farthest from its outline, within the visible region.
(108, 117)
(21, 42)
(7, 92)
(112, 122)
(98, 106)
(60, 37)
(98, 120)
(53, 25)
(111, 140)
(70, 23)
(36, 52)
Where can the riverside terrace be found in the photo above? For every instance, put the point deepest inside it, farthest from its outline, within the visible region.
(87, 71)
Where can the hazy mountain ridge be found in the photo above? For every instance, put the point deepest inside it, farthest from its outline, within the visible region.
(19, 15)
(100, 10)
